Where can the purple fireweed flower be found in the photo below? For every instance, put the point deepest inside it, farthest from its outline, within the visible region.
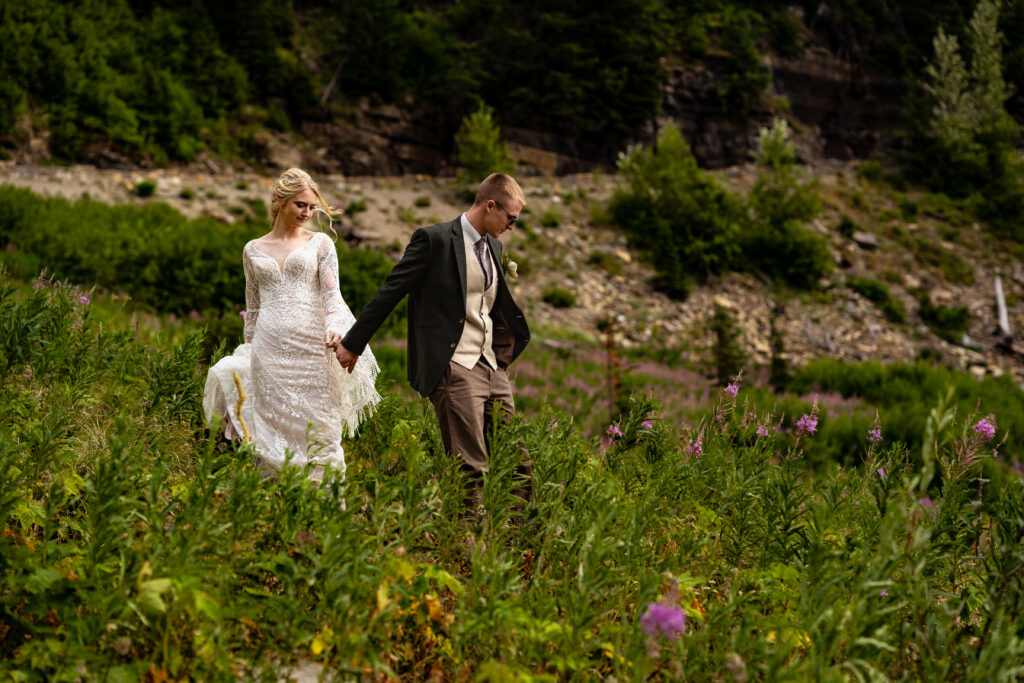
(925, 502)
(647, 425)
(242, 313)
(884, 593)
(808, 423)
(881, 472)
(661, 620)
(695, 448)
(732, 389)
(985, 428)
(762, 430)
(613, 431)
(84, 300)
(875, 435)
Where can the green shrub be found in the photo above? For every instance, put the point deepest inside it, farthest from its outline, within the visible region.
(950, 323)
(782, 200)
(870, 170)
(847, 226)
(187, 193)
(145, 188)
(423, 201)
(550, 218)
(908, 208)
(686, 222)
(877, 293)
(481, 151)
(606, 262)
(559, 297)
(355, 207)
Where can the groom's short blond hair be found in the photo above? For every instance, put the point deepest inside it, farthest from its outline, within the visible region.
(499, 187)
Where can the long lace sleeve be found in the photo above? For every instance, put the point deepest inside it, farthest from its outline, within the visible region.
(252, 297)
(359, 392)
(337, 316)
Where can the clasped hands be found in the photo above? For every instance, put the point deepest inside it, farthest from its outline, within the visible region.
(344, 356)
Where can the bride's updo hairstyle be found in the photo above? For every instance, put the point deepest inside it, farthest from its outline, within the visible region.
(289, 184)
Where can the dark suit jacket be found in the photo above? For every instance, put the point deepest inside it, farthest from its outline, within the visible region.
(432, 273)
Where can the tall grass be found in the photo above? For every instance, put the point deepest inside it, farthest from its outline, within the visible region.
(135, 545)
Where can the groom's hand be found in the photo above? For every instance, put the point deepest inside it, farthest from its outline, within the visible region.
(346, 358)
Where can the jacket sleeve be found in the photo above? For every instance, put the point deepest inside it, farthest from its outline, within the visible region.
(407, 275)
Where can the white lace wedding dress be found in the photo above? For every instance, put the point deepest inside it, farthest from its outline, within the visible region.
(300, 401)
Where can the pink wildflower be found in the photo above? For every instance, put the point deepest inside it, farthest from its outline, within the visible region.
(808, 423)
(242, 313)
(732, 389)
(647, 425)
(881, 472)
(925, 502)
(986, 428)
(84, 300)
(661, 620)
(613, 431)
(884, 593)
(695, 447)
(875, 435)
(762, 430)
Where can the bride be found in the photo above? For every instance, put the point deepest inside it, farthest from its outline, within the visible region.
(300, 402)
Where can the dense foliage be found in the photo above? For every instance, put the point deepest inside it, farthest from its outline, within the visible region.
(164, 261)
(691, 226)
(162, 80)
(134, 546)
(963, 138)
(688, 223)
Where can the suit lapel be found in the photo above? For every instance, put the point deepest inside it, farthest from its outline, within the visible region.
(495, 250)
(459, 247)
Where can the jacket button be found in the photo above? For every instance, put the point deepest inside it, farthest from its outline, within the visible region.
(453, 345)
(462, 320)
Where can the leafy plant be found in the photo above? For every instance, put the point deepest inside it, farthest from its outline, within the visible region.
(559, 297)
(481, 151)
(878, 293)
(145, 188)
(781, 201)
(682, 218)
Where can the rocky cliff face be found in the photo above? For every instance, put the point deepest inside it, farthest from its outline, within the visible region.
(838, 111)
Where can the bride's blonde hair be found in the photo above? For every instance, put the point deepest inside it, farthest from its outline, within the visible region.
(292, 182)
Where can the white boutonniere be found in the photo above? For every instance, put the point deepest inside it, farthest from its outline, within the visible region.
(510, 266)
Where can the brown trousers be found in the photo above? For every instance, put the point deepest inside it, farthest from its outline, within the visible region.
(464, 401)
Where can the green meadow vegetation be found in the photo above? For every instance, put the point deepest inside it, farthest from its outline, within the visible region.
(163, 261)
(135, 544)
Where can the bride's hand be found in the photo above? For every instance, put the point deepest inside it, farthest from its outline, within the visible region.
(333, 340)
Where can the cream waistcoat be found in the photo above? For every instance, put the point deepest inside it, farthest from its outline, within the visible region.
(478, 332)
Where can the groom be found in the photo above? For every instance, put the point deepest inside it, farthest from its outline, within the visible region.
(464, 327)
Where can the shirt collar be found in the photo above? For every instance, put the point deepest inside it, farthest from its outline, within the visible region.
(469, 232)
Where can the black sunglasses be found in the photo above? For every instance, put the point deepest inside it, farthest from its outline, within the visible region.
(512, 220)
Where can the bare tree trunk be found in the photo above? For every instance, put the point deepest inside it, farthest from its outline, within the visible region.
(1004, 320)
(334, 80)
